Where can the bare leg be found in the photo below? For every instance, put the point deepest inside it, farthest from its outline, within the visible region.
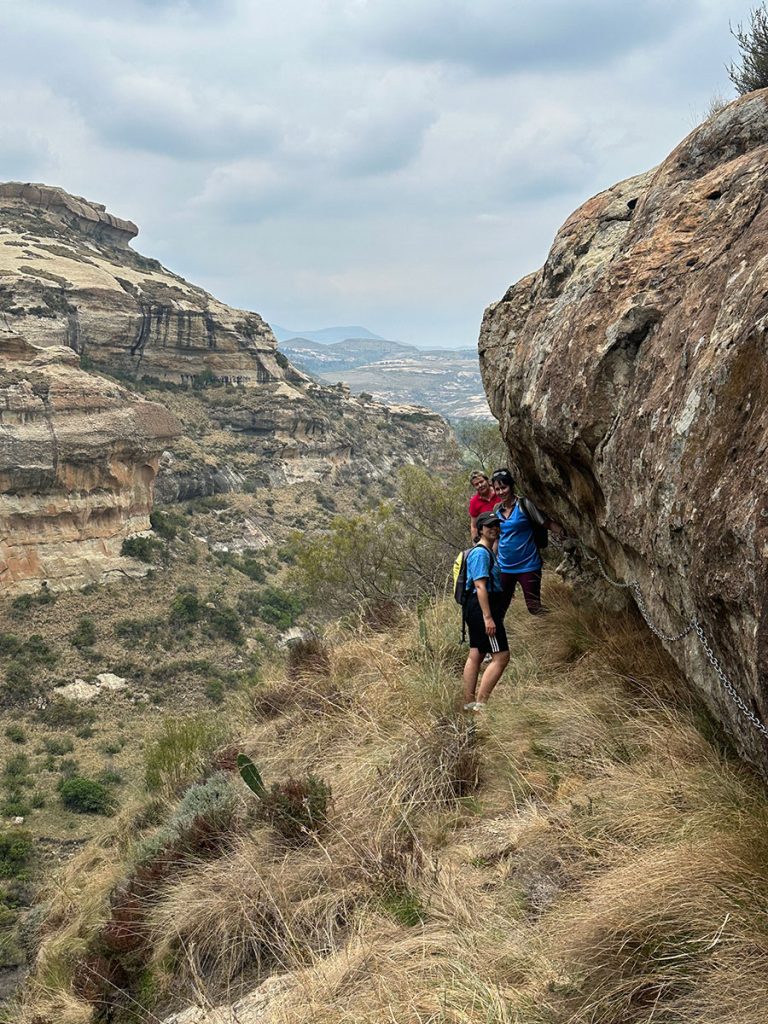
(471, 672)
(492, 675)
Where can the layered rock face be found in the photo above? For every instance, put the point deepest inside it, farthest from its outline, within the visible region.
(78, 460)
(68, 277)
(629, 378)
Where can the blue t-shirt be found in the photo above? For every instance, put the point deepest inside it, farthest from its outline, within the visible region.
(517, 548)
(479, 568)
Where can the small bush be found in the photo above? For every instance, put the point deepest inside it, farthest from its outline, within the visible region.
(86, 796)
(85, 634)
(296, 808)
(180, 752)
(138, 629)
(9, 644)
(15, 804)
(58, 745)
(16, 734)
(277, 608)
(141, 548)
(17, 769)
(62, 714)
(203, 817)
(16, 848)
(166, 524)
(37, 652)
(224, 623)
(24, 602)
(214, 690)
(752, 73)
(186, 608)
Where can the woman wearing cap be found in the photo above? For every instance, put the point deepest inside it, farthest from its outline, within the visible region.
(484, 615)
(518, 555)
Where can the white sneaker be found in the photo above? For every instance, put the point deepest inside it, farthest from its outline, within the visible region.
(479, 705)
(470, 706)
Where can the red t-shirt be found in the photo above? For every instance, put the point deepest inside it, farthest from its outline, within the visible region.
(478, 504)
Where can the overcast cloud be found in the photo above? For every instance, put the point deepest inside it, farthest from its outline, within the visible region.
(381, 162)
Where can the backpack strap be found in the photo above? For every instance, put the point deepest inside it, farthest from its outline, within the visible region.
(531, 511)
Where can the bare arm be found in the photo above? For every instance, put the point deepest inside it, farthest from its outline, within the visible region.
(555, 528)
(473, 529)
(485, 606)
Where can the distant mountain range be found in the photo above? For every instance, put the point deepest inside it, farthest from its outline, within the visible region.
(325, 335)
(445, 380)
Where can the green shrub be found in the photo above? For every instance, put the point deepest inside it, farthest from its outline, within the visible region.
(752, 73)
(16, 769)
(296, 808)
(224, 623)
(145, 630)
(16, 734)
(186, 608)
(214, 690)
(277, 608)
(85, 634)
(166, 524)
(18, 677)
(16, 849)
(86, 796)
(9, 644)
(201, 820)
(141, 548)
(58, 745)
(180, 752)
(14, 804)
(24, 602)
(37, 652)
(63, 714)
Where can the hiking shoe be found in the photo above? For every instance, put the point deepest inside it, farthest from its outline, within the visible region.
(479, 705)
(470, 707)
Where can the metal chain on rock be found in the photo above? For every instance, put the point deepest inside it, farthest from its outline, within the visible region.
(670, 638)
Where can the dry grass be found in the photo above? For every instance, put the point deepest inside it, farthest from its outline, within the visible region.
(581, 855)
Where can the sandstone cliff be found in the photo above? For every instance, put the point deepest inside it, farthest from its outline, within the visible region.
(68, 277)
(78, 459)
(629, 378)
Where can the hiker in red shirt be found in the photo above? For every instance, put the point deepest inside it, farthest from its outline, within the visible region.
(483, 500)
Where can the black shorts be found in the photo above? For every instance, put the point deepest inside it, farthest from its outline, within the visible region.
(478, 638)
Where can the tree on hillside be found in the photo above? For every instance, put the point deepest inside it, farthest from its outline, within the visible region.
(751, 72)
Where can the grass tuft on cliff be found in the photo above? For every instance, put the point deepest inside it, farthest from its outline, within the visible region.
(583, 853)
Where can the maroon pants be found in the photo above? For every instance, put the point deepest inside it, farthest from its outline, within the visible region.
(531, 584)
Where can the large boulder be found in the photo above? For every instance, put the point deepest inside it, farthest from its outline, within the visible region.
(629, 378)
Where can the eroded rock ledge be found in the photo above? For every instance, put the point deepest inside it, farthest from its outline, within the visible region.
(629, 377)
(78, 460)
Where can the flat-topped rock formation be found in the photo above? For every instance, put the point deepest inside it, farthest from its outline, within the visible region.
(68, 277)
(78, 460)
(629, 377)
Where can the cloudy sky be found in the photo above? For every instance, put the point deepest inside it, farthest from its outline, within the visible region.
(390, 163)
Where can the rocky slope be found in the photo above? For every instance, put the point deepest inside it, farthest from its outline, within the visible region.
(78, 460)
(629, 377)
(68, 277)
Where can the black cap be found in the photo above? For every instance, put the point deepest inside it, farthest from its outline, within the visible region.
(487, 519)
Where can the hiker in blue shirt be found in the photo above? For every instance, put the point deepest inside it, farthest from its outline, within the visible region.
(518, 554)
(484, 615)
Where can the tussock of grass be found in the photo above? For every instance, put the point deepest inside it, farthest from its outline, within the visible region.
(583, 854)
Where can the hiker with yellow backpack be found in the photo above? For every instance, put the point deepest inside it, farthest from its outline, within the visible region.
(478, 590)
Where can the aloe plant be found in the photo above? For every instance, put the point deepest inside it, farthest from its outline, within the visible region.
(251, 775)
